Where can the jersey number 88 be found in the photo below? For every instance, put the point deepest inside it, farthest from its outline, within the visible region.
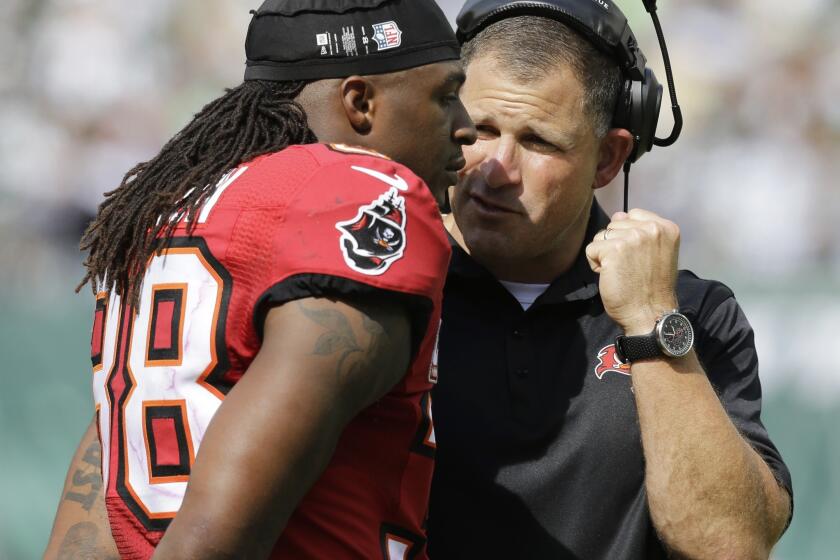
(158, 381)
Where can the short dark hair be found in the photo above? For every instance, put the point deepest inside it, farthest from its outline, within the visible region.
(531, 47)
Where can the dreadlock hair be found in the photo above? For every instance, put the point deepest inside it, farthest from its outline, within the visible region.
(252, 119)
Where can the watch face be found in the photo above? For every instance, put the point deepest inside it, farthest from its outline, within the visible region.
(675, 334)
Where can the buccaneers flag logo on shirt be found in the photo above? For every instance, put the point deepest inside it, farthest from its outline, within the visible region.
(375, 238)
(608, 362)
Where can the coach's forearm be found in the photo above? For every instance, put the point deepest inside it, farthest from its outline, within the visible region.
(710, 494)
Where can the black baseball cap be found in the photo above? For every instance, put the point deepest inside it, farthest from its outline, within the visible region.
(318, 39)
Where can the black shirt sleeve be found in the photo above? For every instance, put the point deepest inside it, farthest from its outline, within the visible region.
(726, 349)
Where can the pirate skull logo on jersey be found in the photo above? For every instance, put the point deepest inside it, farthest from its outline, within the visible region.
(375, 238)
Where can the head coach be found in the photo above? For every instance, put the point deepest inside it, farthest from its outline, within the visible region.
(593, 401)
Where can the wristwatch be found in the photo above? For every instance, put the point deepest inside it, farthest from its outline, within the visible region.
(672, 336)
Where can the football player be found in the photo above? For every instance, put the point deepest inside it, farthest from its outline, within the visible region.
(267, 306)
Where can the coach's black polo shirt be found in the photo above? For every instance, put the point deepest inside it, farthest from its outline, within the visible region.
(539, 452)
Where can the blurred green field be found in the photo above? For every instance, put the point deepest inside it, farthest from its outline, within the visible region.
(45, 404)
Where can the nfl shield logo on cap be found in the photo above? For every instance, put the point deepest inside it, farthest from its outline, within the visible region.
(387, 35)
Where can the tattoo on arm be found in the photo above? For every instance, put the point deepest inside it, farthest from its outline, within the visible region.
(372, 327)
(340, 337)
(87, 476)
(83, 533)
(82, 541)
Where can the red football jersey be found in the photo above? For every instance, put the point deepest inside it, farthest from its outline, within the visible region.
(307, 221)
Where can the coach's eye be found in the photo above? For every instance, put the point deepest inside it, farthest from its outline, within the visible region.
(486, 132)
(538, 144)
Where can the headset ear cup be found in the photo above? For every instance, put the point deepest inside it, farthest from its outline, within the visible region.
(646, 99)
(642, 142)
(621, 114)
(630, 114)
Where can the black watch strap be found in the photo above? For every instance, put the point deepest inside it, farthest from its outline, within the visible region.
(629, 349)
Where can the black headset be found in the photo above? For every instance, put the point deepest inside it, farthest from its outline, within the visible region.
(605, 26)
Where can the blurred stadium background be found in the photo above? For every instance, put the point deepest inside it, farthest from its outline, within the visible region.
(90, 87)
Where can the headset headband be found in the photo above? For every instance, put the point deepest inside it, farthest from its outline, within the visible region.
(601, 22)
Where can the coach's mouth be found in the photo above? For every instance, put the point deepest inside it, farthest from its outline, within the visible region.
(490, 207)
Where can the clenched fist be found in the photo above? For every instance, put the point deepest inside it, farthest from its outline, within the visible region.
(636, 257)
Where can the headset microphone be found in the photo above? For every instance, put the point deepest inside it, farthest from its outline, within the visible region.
(650, 6)
(604, 25)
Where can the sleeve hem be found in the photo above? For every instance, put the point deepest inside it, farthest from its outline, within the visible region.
(301, 286)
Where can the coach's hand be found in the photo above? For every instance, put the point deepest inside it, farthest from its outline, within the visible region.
(636, 257)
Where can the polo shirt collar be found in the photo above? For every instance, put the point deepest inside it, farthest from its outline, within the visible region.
(577, 284)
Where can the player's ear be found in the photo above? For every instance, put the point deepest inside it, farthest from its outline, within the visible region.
(357, 100)
(614, 148)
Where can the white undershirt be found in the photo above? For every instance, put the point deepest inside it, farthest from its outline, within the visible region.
(525, 294)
